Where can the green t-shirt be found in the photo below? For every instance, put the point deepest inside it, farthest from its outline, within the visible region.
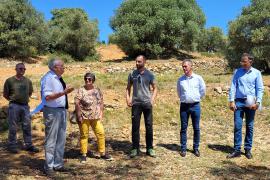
(18, 91)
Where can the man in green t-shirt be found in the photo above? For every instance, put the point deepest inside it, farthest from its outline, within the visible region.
(17, 90)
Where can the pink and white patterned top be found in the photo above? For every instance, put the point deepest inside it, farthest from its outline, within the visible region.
(90, 102)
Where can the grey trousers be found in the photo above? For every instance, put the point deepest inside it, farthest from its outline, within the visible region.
(55, 136)
(19, 114)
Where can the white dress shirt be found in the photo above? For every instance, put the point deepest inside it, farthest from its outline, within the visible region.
(190, 89)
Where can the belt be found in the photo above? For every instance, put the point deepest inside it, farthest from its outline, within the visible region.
(190, 103)
(240, 99)
(54, 107)
(23, 104)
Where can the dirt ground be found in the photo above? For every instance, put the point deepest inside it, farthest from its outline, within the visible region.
(168, 165)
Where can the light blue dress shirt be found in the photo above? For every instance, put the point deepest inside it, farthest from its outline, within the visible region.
(190, 89)
(51, 84)
(246, 83)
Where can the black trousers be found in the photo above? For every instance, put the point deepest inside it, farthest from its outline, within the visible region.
(137, 110)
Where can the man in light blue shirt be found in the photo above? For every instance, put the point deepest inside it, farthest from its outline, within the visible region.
(245, 97)
(54, 92)
(190, 89)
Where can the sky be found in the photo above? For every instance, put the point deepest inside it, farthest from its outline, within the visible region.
(217, 12)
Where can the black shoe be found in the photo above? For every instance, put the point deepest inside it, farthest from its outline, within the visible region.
(248, 154)
(196, 153)
(32, 149)
(234, 155)
(62, 169)
(183, 153)
(83, 159)
(13, 150)
(106, 157)
(49, 172)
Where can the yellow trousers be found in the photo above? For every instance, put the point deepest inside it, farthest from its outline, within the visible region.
(99, 132)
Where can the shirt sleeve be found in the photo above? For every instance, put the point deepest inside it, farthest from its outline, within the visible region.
(99, 96)
(78, 94)
(233, 87)
(130, 82)
(47, 86)
(202, 87)
(6, 88)
(152, 79)
(259, 87)
(30, 87)
(178, 88)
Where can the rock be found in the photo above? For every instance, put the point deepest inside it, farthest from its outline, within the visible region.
(226, 88)
(34, 97)
(218, 90)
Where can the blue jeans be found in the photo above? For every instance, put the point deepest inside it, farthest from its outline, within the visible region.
(55, 136)
(238, 123)
(193, 110)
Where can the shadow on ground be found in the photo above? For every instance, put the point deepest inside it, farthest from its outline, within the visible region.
(230, 170)
(222, 148)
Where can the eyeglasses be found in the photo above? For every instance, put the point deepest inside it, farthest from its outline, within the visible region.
(88, 79)
(60, 66)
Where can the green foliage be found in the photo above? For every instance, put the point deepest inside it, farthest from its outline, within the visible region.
(157, 27)
(73, 33)
(23, 31)
(212, 40)
(250, 33)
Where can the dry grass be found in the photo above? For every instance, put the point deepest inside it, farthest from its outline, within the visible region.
(216, 136)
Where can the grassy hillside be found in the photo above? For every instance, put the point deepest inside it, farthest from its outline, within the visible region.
(216, 129)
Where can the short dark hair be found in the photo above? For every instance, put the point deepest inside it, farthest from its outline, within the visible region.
(249, 56)
(91, 75)
(143, 56)
(19, 65)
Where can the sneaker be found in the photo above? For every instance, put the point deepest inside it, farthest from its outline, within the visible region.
(32, 149)
(151, 152)
(234, 155)
(133, 153)
(106, 157)
(83, 159)
(248, 154)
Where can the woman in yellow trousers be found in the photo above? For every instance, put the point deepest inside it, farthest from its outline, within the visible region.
(89, 112)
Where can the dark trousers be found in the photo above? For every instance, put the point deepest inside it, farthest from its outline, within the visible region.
(238, 123)
(137, 110)
(19, 113)
(193, 110)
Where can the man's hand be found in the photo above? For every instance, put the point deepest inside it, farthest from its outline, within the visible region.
(152, 102)
(255, 106)
(232, 106)
(68, 90)
(129, 103)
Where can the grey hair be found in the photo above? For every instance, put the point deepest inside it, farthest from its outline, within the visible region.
(188, 60)
(249, 56)
(53, 62)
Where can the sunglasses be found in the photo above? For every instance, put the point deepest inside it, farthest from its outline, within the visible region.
(88, 79)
